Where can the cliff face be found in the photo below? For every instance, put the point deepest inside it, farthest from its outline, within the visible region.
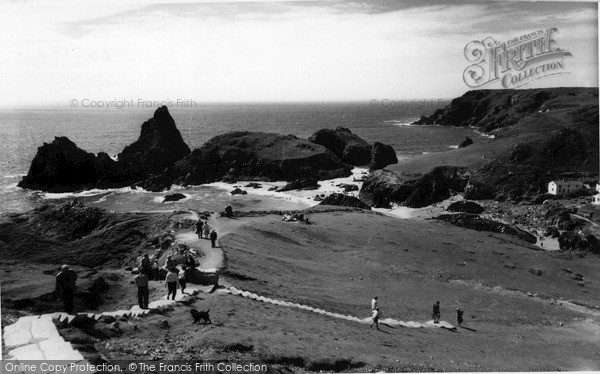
(539, 135)
(256, 155)
(490, 110)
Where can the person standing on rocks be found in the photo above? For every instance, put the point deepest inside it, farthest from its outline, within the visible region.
(436, 312)
(141, 281)
(66, 287)
(171, 282)
(199, 225)
(191, 261)
(213, 238)
(374, 303)
(145, 263)
(206, 229)
(376, 315)
(169, 263)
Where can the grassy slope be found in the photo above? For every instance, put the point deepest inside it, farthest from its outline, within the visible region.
(344, 259)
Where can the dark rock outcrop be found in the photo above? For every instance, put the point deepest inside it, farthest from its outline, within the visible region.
(348, 187)
(256, 155)
(573, 241)
(382, 155)
(465, 207)
(61, 166)
(238, 191)
(475, 222)
(353, 149)
(344, 200)
(479, 191)
(437, 185)
(173, 197)
(466, 142)
(159, 146)
(300, 184)
(344, 144)
(383, 187)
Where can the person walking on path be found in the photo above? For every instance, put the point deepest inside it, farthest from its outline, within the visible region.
(374, 303)
(376, 315)
(199, 225)
(459, 316)
(183, 278)
(206, 229)
(213, 238)
(66, 287)
(436, 312)
(141, 281)
(171, 282)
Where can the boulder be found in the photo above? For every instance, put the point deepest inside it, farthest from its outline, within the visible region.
(466, 142)
(348, 187)
(344, 144)
(173, 197)
(437, 185)
(238, 191)
(245, 155)
(158, 147)
(344, 200)
(300, 184)
(382, 155)
(383, 187)
(465, 207)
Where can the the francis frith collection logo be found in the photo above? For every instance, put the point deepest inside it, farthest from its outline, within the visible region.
(516, 62)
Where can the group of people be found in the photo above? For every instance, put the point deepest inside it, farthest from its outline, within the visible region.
(376, 314)
(204, 231)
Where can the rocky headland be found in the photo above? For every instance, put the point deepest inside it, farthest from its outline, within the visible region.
(536, 136)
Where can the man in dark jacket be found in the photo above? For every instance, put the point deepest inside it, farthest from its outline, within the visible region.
(66, 287)
(213, 238)
(141, 281)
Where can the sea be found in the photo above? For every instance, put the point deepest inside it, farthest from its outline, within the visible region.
(23, 130)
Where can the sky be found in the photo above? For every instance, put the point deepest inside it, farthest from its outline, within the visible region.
(269, 51)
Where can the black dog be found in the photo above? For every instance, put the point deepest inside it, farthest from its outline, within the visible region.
(200, 316)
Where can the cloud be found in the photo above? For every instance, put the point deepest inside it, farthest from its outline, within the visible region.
(267, 51)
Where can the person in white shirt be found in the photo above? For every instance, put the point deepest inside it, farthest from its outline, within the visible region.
(374, 303)
(171, 282)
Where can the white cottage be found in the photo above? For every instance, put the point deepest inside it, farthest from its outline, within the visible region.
(596, 197)
(564, 187)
